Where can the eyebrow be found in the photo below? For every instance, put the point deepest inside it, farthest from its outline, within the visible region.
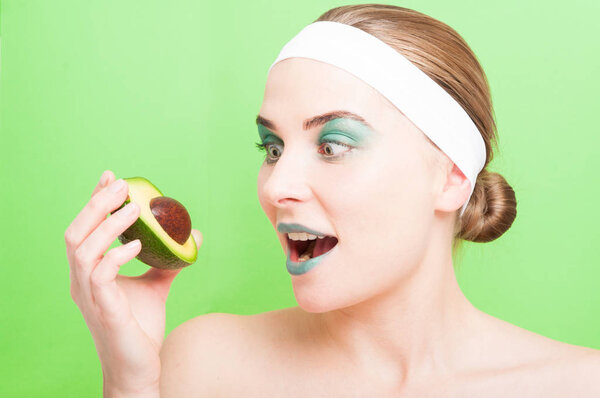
(316, 120)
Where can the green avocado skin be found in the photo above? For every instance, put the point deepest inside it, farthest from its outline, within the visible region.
(154, 252)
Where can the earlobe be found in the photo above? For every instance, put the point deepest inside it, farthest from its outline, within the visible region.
(455, 192)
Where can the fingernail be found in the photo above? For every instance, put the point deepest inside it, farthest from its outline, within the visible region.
(128, 210)
(117, 185)
(134, 244)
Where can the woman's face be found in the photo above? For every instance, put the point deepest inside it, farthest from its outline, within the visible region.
(375, 196)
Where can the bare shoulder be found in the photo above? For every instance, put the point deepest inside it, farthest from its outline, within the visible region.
(529, 364)
(575, 373)
(210, 353)
(588, 368)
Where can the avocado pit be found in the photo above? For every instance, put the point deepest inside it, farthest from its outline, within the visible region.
(172, 217)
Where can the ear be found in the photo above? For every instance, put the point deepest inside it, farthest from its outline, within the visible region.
(455, 191)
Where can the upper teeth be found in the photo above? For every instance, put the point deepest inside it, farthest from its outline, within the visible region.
(303, 236)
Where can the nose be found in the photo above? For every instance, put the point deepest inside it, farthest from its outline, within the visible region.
(286, 181)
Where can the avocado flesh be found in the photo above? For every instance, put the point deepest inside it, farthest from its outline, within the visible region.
(159, 250)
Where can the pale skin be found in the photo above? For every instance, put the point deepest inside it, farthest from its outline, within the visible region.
(125, 315)
(382, 316)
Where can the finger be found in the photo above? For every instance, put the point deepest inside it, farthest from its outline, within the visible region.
(89, 254)
(197, 237)
(95, 211)
(102, 237)
(103, 286)
(106, 178)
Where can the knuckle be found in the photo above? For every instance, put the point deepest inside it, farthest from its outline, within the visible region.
(69, 236)
(94, 205)
(96, 278)
(110, 228)
(110, 255)
(74, 292)
(118, 224)
(113, 255)
(80, 256)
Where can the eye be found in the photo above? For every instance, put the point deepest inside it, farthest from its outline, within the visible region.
(329, 146)
(270, 150)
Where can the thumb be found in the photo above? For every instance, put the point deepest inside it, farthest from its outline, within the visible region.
(160, 280)
(197, 237)
(160, 276)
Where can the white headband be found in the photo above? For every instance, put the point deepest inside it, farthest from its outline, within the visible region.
(422, 100)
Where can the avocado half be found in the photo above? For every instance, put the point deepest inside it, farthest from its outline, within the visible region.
(159, 249)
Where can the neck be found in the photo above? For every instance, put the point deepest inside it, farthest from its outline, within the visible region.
(423, 326)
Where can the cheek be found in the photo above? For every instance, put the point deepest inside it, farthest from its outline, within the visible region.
(376, 191)
(379, 207)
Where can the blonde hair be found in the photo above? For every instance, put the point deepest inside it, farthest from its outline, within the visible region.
(441, 53)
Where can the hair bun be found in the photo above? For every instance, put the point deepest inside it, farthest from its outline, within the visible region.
(491, 209)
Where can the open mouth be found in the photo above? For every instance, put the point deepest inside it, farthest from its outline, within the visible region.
(302, 250)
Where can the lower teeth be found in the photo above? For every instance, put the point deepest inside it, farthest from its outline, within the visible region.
(308, 252)
(304, 257)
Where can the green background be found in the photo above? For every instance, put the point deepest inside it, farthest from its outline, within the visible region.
(170, 91)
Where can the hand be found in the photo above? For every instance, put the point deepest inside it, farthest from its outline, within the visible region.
(125, 315)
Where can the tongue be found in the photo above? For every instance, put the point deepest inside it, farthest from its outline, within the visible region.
(324, 245)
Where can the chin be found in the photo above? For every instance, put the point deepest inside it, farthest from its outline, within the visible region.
(311, 304)
(313, 294)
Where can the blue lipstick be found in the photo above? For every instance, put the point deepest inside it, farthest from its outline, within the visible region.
(299, 268)
(303, 267)
(287, 228)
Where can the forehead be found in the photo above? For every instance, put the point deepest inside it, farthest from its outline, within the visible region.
(299, 87)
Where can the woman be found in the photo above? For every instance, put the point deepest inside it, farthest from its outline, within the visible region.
(380, 311)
